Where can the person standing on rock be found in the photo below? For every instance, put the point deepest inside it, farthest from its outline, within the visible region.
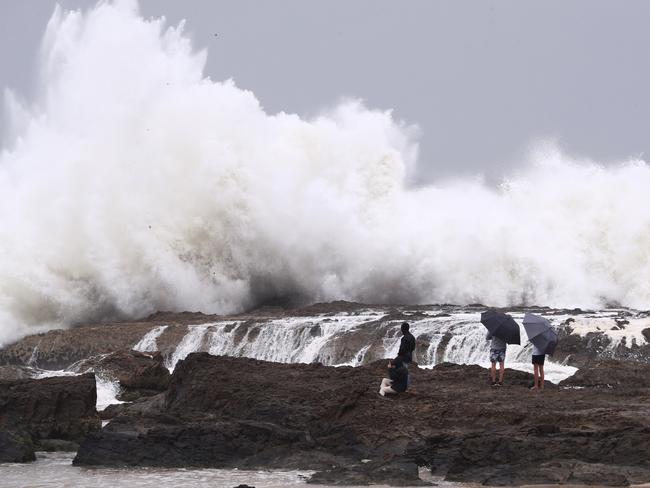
(497, 355)
(406, 345)
(538, 368)
(398, 378)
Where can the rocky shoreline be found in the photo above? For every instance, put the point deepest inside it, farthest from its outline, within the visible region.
(235, 412)
(224, 412)
(47, 414)
(58, 349)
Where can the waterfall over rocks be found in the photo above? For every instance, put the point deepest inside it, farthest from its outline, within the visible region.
(353, 339)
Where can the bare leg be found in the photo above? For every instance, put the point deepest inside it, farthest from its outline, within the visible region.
(502, 371)
(541, 376)
(536, 374)
(493, 371)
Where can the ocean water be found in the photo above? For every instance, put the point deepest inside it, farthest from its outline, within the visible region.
(55, 470)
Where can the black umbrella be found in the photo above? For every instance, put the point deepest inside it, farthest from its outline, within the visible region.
(540, 333)
(501, 325)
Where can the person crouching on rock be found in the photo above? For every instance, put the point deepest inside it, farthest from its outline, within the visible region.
(398, 378)
(538, 368)
(497, 355)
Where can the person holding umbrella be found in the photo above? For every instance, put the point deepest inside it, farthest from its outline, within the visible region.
(502, 330)
(544, 340)
(538, 367)
(497, 355)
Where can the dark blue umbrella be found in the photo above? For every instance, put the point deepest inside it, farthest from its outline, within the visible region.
(540, 333)
(501, 325)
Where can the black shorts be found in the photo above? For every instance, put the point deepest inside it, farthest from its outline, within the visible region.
(539, 359)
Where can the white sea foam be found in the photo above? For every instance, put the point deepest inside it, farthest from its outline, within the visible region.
(149, 342)
(107, 391)
(134, 184)
(618, 329)
(48, 373)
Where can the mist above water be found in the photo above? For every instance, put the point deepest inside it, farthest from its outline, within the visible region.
(132, 183)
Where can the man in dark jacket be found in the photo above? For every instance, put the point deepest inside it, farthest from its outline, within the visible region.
(407, 345)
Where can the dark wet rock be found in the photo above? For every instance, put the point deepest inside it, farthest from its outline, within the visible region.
(610, 373)
(133, 394)
(512, 458)
(646, 334)
(141, 406)
(337, 306)
(112, 411)
(16, 372)
(224, 444)
(58, 349)
(395, 472)
(440, 350)
(139, 373)
(52, 445)
(60, 407)
(237, 412)
(579, 351)
(16, 446)
(362, 344)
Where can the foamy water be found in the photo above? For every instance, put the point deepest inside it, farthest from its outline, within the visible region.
(107, 391)
(133, 183)
(621, 329)
(55, 470)
(149, 342)
(456, 337)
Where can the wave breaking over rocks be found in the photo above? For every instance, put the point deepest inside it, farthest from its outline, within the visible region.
(133, 183)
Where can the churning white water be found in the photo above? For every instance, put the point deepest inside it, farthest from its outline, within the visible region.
(353, 339)
(132, 183)
(150, 341)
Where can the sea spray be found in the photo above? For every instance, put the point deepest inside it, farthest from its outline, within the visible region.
(132, 183)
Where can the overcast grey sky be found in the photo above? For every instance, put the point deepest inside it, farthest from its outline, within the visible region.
(483, 79)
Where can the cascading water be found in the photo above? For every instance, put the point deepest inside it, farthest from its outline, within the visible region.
(149, 342)
(301, 340)
(352, 340)
(192, 342)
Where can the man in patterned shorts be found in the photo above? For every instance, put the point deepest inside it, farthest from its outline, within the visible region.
(497, 355)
